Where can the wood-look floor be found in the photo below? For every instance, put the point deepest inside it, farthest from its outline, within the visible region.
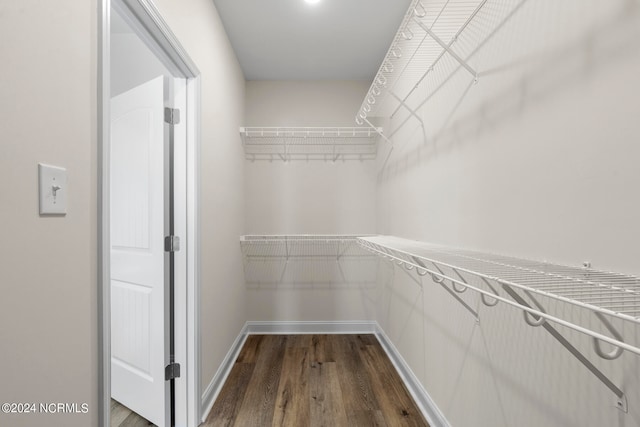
(121, 416)
(313, 380)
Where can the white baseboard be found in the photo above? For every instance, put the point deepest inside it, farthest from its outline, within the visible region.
(419, 394)
(347, 327)
(426, 405)
(215, 386)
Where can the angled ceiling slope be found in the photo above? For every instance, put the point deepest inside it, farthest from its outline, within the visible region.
(295, 40)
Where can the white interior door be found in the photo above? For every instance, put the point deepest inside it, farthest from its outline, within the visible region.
(139, 318)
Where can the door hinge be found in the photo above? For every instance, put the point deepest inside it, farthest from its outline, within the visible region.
(171, 116)
(171, 244)
(172, 371)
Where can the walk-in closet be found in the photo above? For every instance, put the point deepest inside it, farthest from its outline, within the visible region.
(478, 213)
(320, 213)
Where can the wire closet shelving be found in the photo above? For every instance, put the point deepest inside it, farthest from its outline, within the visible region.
(300, 246)
(306, 258)
(436, 39)
(310, 143)
(523, 284)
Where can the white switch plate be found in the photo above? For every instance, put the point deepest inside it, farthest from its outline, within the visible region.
(53, 189)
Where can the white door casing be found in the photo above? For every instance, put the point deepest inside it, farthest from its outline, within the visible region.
(146, 20)
(139, 320)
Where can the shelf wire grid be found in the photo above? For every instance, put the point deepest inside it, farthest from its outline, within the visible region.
(301, 246)
(306, 259)
(415, 55)
(325, 143)
(608, 293)
(437, 44)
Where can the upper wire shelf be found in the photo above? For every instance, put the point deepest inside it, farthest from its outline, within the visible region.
(310, 143)
(424, 53)
(603, 293)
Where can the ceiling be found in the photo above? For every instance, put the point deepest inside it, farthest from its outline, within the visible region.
(294, 40)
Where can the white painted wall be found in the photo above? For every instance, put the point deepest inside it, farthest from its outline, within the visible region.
(308, 197)
(48, 307)
(197, 25)
(314, 197)
(539, 160)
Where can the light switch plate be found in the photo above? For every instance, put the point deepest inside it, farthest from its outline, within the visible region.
(53, 189)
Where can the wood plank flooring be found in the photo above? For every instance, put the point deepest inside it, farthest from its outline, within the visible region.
(121, 416)
(316, 381)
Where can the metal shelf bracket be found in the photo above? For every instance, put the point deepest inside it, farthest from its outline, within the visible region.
(449, 50)
(621, 401)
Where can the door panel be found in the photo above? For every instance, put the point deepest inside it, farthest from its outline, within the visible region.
(130, 347)
(132, 134)
(139, 342)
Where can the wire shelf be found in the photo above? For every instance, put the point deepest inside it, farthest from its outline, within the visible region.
(603, 293)
(436, 39)
(306, 259)
(310, 143)
(300, 246)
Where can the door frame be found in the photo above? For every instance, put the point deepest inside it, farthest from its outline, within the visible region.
(150, 24)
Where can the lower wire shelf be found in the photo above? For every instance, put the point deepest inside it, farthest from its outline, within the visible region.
(611, 297)
(306, 259)
(604, 293)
